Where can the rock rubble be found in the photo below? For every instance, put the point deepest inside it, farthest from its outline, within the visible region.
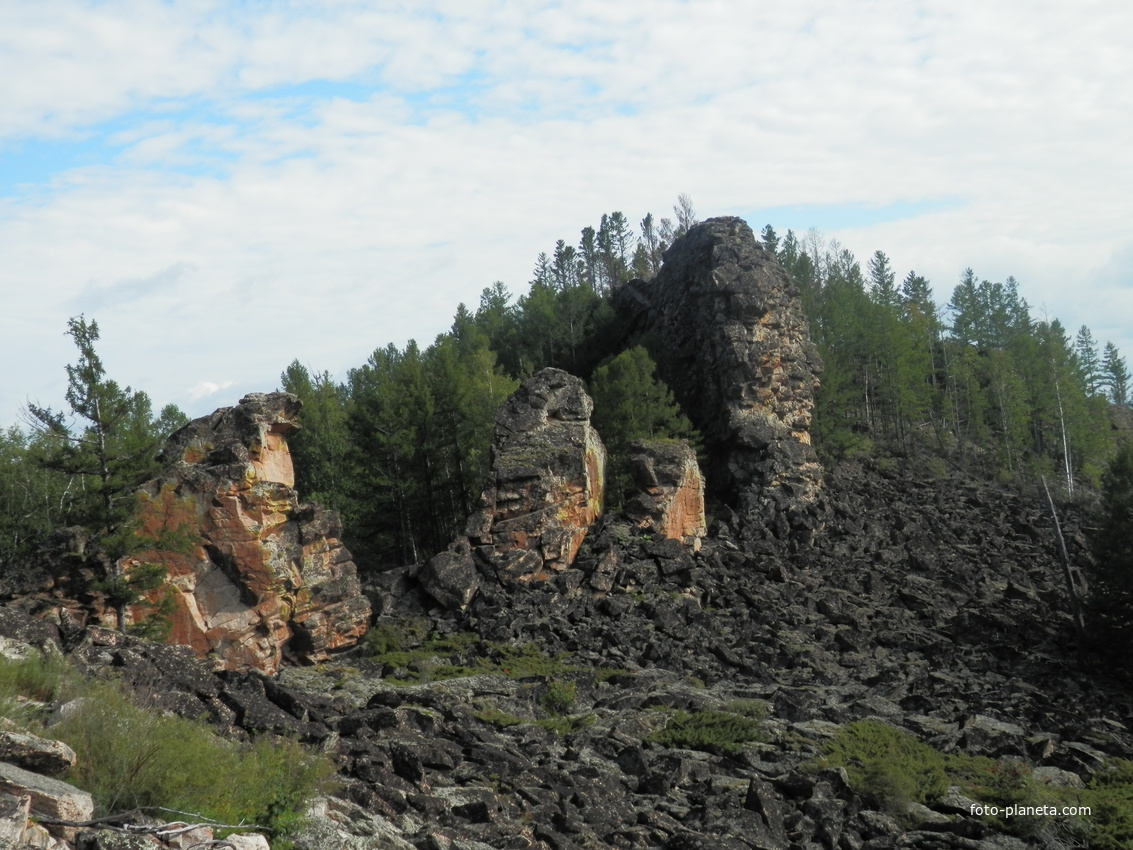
(934, 604)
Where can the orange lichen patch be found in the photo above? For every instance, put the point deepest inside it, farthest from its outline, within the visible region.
(684, 516)
(272, 461)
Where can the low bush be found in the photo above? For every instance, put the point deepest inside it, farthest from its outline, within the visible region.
(558, 697)
(889, 767)
(723, 732)
(129, 756)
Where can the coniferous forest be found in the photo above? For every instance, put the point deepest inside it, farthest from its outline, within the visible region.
(970, 379)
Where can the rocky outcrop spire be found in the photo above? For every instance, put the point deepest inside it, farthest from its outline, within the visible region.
(251, 573)
(740, 361)
(545, 491)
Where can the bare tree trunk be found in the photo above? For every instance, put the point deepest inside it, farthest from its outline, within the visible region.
(1067, 571)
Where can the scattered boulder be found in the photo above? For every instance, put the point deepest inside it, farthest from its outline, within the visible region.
(251, 573)
(50, 797)
(740, 361)
(34, 753)
(544, 493)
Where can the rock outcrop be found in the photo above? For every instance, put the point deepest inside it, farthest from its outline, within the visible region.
(545, 491)
(670, 498)
(740, 361)
(251, 573)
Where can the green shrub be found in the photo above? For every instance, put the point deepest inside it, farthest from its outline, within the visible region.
(709, 730)
(132, 757)
(885, 765)
(558, 697)
(1109, 794)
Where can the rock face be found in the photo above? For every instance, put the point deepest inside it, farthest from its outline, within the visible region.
(252, 574)
(741, 363)
(670, 501)
(545, 491)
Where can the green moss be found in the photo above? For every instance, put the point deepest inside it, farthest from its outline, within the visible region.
(411, 658)
(498, 717)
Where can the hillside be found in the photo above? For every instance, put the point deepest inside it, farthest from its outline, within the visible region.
(536, 718)
(749, 646)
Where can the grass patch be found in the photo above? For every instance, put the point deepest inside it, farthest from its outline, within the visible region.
(409, 656)
(720, 732)
(891, 768)
(26, 684)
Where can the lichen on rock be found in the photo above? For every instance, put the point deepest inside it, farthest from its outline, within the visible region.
(545, 491)
(739, 359)
(262, 575)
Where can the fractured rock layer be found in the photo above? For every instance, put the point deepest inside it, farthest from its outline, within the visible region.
(250, 571)
(545, 491)
(738, 357)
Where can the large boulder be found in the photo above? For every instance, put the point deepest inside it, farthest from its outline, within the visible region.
(738, 356)
(251, 574)
(544, 492)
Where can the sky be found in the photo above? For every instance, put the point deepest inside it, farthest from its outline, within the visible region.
(226, 186)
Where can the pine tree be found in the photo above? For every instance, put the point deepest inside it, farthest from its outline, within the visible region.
(1111, 585)
(1088, 362)
(882, 279)
(770, 240)
(111, 442)
(632, 403)
(321, 449)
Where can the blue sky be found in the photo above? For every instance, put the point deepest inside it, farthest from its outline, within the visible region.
(226, 187)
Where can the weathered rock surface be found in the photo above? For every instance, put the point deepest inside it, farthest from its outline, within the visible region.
(670, 498)
(13, 817)
(740, 361)
(545, 491)
(36, 754)
(50, 797)
(251, 572)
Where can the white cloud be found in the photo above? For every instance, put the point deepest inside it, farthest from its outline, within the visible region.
(206, 388)
(239, 223)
